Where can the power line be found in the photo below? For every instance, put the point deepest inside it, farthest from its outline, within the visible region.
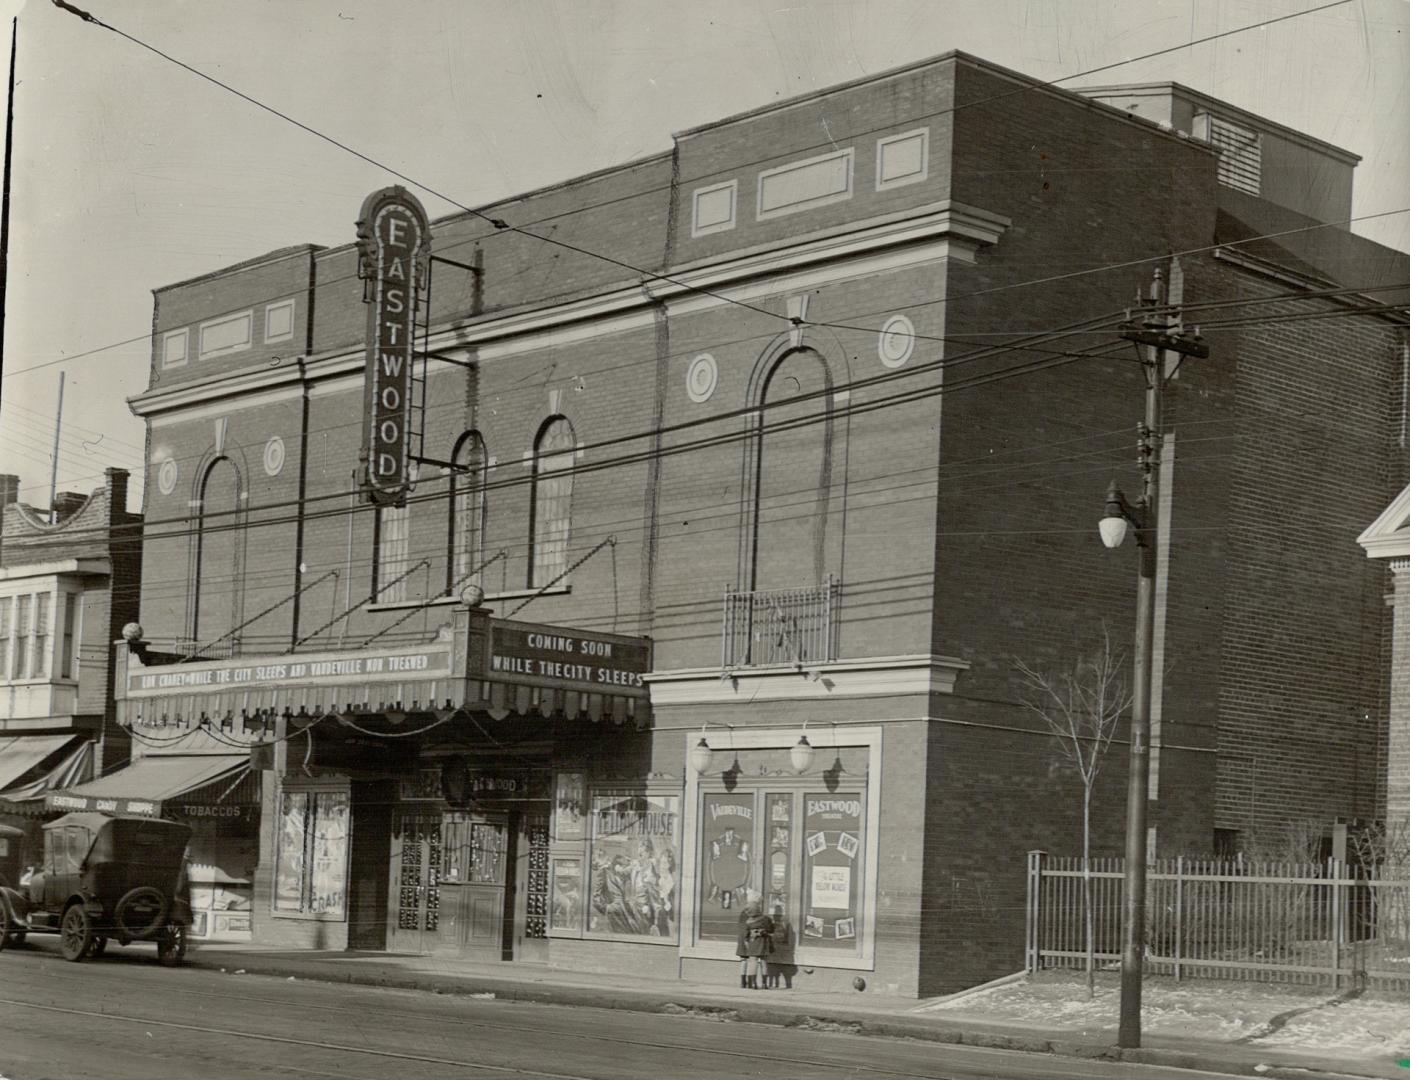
(629, 459)
(503, 226)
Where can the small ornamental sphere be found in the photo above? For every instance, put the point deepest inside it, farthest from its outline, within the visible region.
(859, 983)
(132, 632)
(473, 595)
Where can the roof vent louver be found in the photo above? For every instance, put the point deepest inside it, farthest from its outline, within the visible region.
(1240, 162)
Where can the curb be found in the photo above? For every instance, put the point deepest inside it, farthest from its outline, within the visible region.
(724, 1010)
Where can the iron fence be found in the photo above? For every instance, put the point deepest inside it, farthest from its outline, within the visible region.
(1306, 923)
(780, 626)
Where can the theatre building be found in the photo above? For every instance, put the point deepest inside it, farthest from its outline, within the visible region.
(570, 569)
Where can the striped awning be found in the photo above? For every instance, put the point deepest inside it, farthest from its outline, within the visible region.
(149, 782)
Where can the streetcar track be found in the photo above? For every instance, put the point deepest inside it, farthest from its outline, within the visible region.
(464, 1022)
(286, 1040)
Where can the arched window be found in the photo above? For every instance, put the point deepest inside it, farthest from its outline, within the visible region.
(793, 476)
(393, 554)
(467, 512)
(219, 581)
(551, 512)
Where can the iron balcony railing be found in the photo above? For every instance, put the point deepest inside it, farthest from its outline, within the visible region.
(191, 649)
(780, 626)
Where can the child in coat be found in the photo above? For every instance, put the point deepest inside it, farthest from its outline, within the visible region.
(754, 942)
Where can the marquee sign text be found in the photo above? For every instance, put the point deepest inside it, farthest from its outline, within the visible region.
(566, 659)
(289, 671)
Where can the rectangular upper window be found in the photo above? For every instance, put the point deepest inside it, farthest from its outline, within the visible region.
(713, 208)
(174, 348)
(279, 321)
(26, 636)
(219, 337)
(804, 185)
(902, 159)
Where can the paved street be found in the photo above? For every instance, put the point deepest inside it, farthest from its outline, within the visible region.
(125, 1018)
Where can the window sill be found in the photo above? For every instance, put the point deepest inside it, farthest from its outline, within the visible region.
(490, 598)
(308, 916)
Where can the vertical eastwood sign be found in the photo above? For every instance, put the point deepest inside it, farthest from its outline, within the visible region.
(393, 243)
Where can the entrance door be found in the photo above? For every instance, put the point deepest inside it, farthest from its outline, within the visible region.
(477, 856)
(415, 901)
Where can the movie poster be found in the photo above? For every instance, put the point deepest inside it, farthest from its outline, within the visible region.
(635, 867)
(566, 896)
(832, 869)
(569, 806)
(726, 861)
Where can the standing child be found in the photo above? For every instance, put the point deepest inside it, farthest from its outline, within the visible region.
(755, 941)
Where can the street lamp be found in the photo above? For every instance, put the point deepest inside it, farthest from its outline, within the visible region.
(1115, 522)
(1161, 331)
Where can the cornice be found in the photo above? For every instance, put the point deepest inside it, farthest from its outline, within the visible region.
(57, 568)
(882, 676)
(214, 387)
(936, 231)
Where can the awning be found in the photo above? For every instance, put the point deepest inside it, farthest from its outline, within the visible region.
(21, 753)
(149, 782)
(74, 767)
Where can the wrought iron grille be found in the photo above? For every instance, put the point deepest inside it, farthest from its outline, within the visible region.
(781, 626)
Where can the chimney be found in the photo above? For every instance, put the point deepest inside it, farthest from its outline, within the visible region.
(9, 489)
(66, 504)
(117, 492)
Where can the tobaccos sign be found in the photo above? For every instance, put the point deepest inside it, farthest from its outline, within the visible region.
(393, 248)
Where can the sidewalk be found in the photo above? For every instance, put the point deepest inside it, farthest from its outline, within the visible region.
(957, 1022)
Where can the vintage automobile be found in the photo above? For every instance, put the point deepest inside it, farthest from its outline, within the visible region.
(104, 876)
(11, 840)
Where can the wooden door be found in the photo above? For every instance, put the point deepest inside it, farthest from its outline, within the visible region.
(415, 900)
(477, 858)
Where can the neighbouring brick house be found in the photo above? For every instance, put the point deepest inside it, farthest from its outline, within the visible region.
(798, 471)
(69, 580)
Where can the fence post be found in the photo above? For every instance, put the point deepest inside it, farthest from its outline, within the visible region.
(1335, 899)
(1032, 945)
(1179, 911)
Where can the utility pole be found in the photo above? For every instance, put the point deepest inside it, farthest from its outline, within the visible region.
(1161, 331)
(54, 469)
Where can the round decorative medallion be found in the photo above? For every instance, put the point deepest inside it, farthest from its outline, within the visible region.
(896, 342)
(702, 377)
(166, 476)
(273, 455)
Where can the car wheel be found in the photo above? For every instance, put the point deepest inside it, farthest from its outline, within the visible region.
(75, 933)
(140, 913)
(171, 946)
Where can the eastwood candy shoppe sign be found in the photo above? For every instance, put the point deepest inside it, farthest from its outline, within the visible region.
(393, 247)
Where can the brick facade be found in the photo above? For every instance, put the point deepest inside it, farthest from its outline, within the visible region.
(954, 495)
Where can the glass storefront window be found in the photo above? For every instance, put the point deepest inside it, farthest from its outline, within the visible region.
(801, 850)
(311, 862)
(634, 867)
(832, 839)
(726, 862)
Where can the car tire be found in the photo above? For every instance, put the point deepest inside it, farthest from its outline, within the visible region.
(75, 933)
(171, 946)
(150, 907)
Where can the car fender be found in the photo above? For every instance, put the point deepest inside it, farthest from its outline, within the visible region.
(93, 907)
(14, 908)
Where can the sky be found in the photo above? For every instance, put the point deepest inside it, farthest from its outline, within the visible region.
(130, 173)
